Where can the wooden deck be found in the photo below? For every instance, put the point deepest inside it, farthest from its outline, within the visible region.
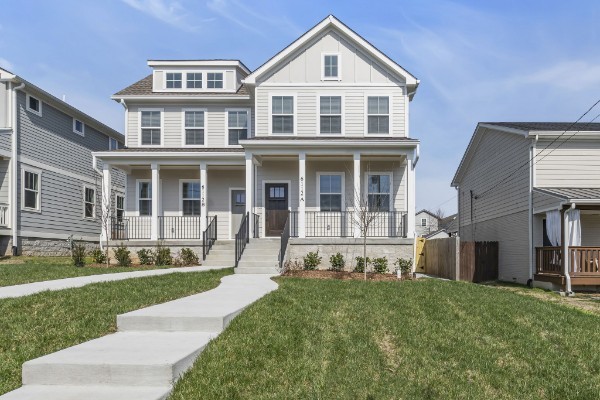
(584, 265)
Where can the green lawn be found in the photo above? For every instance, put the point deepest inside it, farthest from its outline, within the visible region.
(18, 270)
(40, 324)
(427, 339)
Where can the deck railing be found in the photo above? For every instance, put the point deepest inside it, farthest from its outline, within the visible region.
(242, 237)
(179, 227)
(126, 228)
(584, 261)
(209, 236)
(549, 260)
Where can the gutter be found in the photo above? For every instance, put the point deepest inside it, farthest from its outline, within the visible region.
(14, 171)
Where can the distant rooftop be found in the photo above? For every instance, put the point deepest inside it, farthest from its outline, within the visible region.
(549, 126)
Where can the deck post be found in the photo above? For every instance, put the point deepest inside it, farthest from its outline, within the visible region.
(203, 198)
(155, 200)
(106, 200)
(565, 246)
(301, 194)
(357, 194)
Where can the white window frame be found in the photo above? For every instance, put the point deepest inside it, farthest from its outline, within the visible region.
(38, 172)
(111, 140)
(318, 191)
(31, 110)
(94, 203)
(390, 119)
(339, 66)
(82, 132)
(183, 79)
(295, 115)
(202, 81)
(326, 94)
(117, 195)
(248, 124)
(162, 127)
(366, 182)
(424, 222)
(138, 198)
(183, 128)
(205, 77)
(181, 182)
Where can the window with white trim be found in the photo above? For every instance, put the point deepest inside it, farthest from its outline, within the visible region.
(113, 144)
(193, 80)
(190, 197)
(145, 198)
(237, 126)
(173, 80)
(89, 202)
(330, 192)
(330, 66)
(423, 221)
(379, 192)
(282, 114)
(214, 80)
(119, 207)
(151, 127)
(78, 127)
(31, 190)
(194, 128)
(330, 115)
(378, 111)
(34, 105)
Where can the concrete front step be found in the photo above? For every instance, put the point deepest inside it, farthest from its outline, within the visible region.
(65, 392)
(123, 358)
(257, 270)
(256, 262)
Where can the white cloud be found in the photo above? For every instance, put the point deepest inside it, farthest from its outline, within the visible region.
(4, 63)
(568, 75)
(168, 11)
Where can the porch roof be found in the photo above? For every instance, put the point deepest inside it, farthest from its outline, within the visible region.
(174, 156)
(573, 195)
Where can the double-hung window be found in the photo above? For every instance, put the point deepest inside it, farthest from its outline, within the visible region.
(424, 222)
(379, 192)
(193, 80)
(282, 114)
(331, 66)
(330, 115)
(78, 127)
(151, 127)
(237, 125)
(194, 127)
(173, 80)
(31, 190)
(89, 202)
(119, 207)
(214, 80)
(113, 144)
(330, 192)
(145, 198)
(190, 198)
(378, 111)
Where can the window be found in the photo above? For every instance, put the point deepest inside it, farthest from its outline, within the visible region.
(31, 190)
(330, 66)
(119, 207)
(194, 128)
(34, 105)
(113, 144)
(240, 198)
(282, 110)
(190, 198)
(78, 127)
(145, 198)
(151, 126)
(331, 115)
(89, 202)
(214, 80)
(194, 80)
(173, 80)
(378, 110)
(330, 192)
(379, 189)
(237, 125)
(423, 221)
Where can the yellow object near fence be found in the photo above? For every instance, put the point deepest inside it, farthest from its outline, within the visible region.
(420, 256)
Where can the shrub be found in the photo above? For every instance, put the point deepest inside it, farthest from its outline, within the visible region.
(78, 255)
(98, 256)
(360, 264)
(380, 265)
(337, 262)
(162, 255)
(188, 257)
(122, 256)
(403, 265)
(312, 261)
(145, 256)
(292, 265)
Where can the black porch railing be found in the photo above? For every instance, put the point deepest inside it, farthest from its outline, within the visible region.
(344, 223)
(209, 236)
(126, 228)
(242, 237)
(179, 227)
(285, 237)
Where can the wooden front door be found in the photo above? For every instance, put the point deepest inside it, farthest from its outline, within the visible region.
(276, 208)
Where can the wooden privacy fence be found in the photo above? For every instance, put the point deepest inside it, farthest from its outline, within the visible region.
(466, 261)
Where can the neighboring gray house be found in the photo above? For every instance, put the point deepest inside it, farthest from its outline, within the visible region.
(426, 223)
(49, 190)
(450, 224)
(535, 188)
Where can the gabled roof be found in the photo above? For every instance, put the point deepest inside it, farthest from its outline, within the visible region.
(450, 223)
(432, 234)
(143, 87)
(427, 212)
(328, 23)
(549, 126)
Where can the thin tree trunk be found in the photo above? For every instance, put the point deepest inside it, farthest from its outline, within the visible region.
(365, 253)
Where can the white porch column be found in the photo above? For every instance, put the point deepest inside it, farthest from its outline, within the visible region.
(106, 203)
(565, 251)
(358, 199)
(203, 197)
(301, 194)
(249, 183)
(411, 196)
(155, 200)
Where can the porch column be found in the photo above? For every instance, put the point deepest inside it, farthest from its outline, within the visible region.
(301, 194)
(106, 203)
(565, 250)
(358, 200)
(155, 200)
(203, 197)
(410, 204)
(249, 183)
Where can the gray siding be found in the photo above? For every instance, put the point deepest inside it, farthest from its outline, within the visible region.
(432, 224)
(4, 181)
(543, 202)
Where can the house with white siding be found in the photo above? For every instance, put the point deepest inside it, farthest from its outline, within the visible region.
(426, 223)
(49, 189)
(281, 160)
(534, 188)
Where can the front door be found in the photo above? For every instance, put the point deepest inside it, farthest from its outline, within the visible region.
(238, 208)
(276, 208)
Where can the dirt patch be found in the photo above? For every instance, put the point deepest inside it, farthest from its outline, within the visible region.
(11, 261)
(353, 276)
(386, 345)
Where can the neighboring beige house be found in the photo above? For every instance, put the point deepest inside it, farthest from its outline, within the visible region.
(426, 223)
(534, 187)
(301, 147)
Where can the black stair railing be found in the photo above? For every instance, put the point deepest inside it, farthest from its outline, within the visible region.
(209, 236)
(242, 237)
(285, 237)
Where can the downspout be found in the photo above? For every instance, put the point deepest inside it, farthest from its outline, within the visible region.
(14, 170)
(417, 155)
(532, 150)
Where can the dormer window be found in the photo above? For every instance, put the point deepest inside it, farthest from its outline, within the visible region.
(331, 67)
(173, 80)
(194, 80)
(214, 80)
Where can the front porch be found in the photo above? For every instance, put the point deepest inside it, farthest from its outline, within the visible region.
(583, 261)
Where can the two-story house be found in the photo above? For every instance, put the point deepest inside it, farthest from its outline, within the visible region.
(301, 147)
(49, 189)
(426, 223)
(534, 188)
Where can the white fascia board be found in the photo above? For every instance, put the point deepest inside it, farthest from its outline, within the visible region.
(505, 129)
(320, 143)
(123, 155)
(576, 134)
(198, 96)
(198, 63)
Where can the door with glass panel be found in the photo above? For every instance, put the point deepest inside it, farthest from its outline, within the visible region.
(238, 208)
(276, 208)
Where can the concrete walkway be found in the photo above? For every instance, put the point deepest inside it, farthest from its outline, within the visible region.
(150, 351)
(67, 283)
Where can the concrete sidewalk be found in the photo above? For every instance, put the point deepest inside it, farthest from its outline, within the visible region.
(67, 283)
(153, 347)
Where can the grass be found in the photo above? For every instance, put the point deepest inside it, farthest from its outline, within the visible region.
(40, 324)
(19, 270)
(426, 339)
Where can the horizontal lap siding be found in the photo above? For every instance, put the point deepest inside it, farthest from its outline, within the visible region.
(219, 183)
(575, 163)
(278, 171)
(590, 230)
(4, 181)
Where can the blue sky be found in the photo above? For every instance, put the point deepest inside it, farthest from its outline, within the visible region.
(477, 61)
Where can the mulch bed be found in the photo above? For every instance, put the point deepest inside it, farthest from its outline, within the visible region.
(354, 276)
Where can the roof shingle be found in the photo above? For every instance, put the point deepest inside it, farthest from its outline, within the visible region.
(549, 126)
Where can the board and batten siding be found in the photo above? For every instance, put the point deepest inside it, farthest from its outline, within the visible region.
(574, 163)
